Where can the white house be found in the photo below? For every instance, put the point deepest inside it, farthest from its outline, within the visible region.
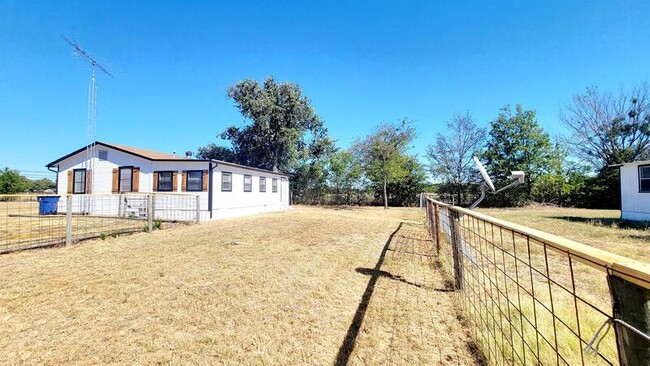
(635, 191)
(223, 189)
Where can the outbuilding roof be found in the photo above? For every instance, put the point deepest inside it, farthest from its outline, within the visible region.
(638, 162)
(155, 156)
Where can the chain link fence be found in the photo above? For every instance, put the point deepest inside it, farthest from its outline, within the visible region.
(30, 221)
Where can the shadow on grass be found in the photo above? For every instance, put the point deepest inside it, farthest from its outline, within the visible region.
(380, 273)
(349, 342)
(346, 348)
(606, 221)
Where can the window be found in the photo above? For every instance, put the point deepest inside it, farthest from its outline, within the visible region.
(126, 179)
(194, 180)
(103, 155)
(644, 179)
(226, 181)
(274, 184)
(248, 183)
(262, 184)
(165, 181)
(79, 185)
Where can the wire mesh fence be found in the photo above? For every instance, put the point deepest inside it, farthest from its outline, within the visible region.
(534, 298)
(30, 221)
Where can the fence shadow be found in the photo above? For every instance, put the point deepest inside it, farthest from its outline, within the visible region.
(380, 273)
(349, 342)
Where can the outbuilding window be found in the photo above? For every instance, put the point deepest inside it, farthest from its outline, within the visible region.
(194, 180)
(248, 183)
(79, 186)
(262, 184)
(644, 179)
(226, 182)
(274, 185)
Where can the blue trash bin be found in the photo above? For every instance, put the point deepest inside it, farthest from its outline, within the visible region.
(48, 205)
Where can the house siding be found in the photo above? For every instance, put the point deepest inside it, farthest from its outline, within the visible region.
(240, 203)
(224, 204)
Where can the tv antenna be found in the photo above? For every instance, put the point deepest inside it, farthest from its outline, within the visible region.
(517, 177)
(92, 106)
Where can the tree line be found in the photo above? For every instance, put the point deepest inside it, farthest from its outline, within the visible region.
(283, 132)
(11, 181)
(579, 169)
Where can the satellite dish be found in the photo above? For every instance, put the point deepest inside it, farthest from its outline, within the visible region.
(517, 177)
(484, 173)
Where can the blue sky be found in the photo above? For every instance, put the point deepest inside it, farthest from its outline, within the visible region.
(360, 62)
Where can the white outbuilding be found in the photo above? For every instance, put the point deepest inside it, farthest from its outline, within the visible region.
(223, 189)
(635, 191)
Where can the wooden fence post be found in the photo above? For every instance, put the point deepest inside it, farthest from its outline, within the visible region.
(68, 220)
(150, 211)
(436, 224)
(631, 305)
(456, 247)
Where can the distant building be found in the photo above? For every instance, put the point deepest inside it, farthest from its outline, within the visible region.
(635, 190)
(224, 189)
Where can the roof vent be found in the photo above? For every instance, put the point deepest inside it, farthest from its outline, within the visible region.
(188, 155)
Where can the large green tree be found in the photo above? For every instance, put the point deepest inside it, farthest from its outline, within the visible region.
(406, 191)
(450, 156)
(12, 182)
(517, 142)
(344, 175)
(384, 153)
(283, 130)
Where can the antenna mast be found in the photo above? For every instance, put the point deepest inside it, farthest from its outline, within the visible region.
(92, 107)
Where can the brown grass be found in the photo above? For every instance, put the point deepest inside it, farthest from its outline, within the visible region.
(22, 227)
(281, 288)
(599, 228)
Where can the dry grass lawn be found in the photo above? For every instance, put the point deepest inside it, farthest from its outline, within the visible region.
(306, 286)
(599, 228)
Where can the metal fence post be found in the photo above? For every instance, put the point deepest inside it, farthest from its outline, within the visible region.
(150, 212)
(631, 305)
(198, 209)
(456, 248)
(68, 220)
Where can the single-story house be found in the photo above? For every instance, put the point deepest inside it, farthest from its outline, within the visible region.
(635, 190)
(224, 189)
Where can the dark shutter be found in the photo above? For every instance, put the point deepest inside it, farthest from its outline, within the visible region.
(116, 181)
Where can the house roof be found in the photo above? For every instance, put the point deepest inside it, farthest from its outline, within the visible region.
(155, 156)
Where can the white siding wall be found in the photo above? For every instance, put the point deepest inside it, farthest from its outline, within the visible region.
(225, 204)
(634, 205)
(239, 203)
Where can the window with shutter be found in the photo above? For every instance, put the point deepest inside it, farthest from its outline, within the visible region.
(79, 181)
(126, 179)
(165, 181)
(194, 180)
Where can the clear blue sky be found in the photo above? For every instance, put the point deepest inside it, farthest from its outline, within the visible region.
(360, 62)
